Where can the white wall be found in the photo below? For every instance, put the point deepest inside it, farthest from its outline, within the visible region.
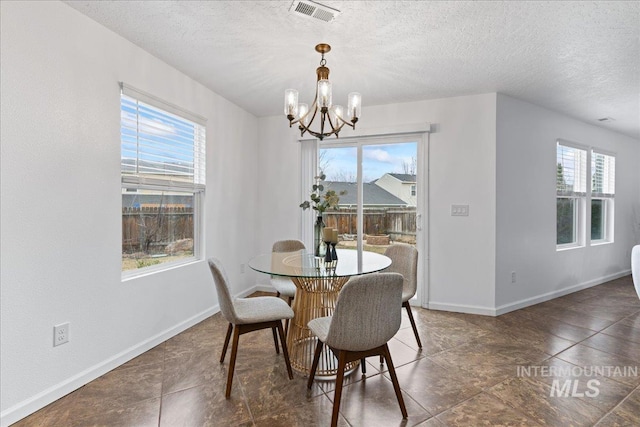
(279, 193)
(526, 212)
(60, 184)
(461, 171)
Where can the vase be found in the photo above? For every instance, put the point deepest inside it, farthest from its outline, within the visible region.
(318, 244)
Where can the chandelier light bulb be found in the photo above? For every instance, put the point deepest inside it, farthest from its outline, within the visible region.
(337, 115)
(354, 107)
(324, 94)
(303, 109)
(291, 103)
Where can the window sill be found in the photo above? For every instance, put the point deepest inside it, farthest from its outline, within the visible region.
(147, 271)
(601, 242)
(568, 247)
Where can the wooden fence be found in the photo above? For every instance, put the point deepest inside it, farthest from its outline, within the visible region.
(151, 229)
(399, 223)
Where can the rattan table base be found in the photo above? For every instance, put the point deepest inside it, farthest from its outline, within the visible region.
(315, 297)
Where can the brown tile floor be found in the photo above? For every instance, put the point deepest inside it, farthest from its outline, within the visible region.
(466, 375)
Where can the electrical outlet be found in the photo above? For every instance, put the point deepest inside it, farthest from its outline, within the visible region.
(60, 334)
(513, 277)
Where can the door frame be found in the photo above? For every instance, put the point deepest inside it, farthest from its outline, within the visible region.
(419, 134)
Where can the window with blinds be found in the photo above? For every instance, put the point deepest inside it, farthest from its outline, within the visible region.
(584, 195)
(603, 175)
(163, 182)
(571, 176)
(603, 183)
(571, 191)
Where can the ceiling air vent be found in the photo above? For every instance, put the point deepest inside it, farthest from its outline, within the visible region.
(311, 9)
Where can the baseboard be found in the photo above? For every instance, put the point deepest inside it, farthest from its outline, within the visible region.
(516, 305)
(461, 308)
(42, 399)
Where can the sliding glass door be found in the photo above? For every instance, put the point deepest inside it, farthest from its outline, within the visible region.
(382, 192)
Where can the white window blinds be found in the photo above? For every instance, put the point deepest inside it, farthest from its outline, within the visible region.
(603, 173)
(571, 175)
(161, 145)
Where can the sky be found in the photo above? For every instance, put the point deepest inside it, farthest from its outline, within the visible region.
(340, 163)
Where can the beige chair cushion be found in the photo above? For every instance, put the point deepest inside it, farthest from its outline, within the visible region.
(261, 309)
(246, 310)
(284, 285)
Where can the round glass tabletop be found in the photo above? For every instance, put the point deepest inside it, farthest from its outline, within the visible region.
(305, 264)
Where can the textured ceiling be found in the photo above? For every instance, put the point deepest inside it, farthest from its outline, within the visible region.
(578, 58)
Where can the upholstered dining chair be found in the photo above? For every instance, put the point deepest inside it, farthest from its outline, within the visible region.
(283, 285)
(404, 260)
(247, 315)
(367, 315)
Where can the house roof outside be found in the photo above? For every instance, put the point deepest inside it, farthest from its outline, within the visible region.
(373, 195)
(404, 177)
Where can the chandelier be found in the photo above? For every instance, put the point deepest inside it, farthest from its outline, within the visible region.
(332, 117)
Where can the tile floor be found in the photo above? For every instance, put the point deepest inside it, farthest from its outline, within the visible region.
(469, 373)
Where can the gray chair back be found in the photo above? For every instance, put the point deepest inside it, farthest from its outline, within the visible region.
(287, 246)
(222, 288)
(404, 261)
(367, 313)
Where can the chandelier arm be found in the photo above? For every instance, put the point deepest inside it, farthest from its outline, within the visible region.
(339, 119)
(324, 135)
(313, 117)
(351, 124)
(298, 120)
(331, 122)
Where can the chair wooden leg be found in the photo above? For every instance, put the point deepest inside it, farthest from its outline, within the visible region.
(278, 294)
(314, 365)
(226, 342)
(381, 360)
(342, 361)
(413, 322)
(275, 339)
(394, 380)
(363, 365)
(285, 351)
(232, 362)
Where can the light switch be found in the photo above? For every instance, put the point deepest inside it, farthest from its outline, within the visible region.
(459, 210)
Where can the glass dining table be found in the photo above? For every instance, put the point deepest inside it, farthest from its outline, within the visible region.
(318, 284)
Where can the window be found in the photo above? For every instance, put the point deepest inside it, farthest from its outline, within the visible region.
(163, 181)
(571, 193)
(603, 170)
(413, 190)
(384, 212)
(575, 201)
